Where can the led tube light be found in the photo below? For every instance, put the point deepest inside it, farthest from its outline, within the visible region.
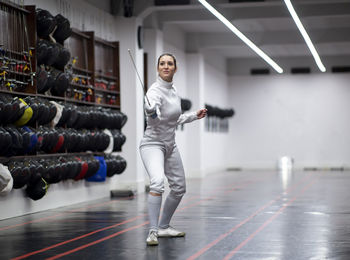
(305, 35)
(241, 36)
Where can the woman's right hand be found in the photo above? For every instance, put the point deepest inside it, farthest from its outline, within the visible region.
(151, 110)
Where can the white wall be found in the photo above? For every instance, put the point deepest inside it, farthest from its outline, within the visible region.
(305, 117)
(194, 130)
(174, 41)
(216, 93)
(153, 46)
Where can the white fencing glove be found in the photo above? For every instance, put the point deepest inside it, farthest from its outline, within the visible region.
(151, 110)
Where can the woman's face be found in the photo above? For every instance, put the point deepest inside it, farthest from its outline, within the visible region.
(166, 68)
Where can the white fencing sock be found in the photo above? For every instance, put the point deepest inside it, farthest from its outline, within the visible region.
(154, 204)
(170, 206)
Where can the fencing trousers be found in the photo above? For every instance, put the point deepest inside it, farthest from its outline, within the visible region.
(161, 161)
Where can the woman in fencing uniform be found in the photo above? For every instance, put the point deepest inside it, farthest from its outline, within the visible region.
(159, 152)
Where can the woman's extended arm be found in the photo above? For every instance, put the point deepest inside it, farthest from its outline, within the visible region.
(189, 117)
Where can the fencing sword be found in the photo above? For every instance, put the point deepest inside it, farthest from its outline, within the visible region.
(138, 75)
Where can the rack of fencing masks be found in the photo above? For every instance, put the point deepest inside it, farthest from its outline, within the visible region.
(51, 55)
(41, 139)
(46, 135)
(217, 118)
(72, 63)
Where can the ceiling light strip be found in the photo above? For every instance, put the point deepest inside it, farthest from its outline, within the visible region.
(241, 36)
(305, 35)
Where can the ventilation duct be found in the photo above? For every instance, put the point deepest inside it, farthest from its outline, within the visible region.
(341, 69)
(245, 1)
(171, 2)
(259, 71)
(300, 70)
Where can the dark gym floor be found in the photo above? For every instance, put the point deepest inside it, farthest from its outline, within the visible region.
(229, 215)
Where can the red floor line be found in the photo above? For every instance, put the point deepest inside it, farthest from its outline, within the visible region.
(209, 197)
(76, 238)
(110, 236)
(72, 211)
(123, 231)
(221, 237)
(59, 214)
(75, 210)
(91, 233)
(96, 241)
(115, 234)
(234, 251)
(68, 212)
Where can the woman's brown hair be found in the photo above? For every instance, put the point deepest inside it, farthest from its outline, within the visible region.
(167, 54)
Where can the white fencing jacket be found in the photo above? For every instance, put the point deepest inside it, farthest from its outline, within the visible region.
(163, 96)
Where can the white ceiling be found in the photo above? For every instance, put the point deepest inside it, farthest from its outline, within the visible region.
(268, 24)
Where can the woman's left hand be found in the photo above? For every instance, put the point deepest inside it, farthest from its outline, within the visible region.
(201, 113)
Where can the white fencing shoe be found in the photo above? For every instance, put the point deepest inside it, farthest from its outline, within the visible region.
(152, 239)
(170, 232)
